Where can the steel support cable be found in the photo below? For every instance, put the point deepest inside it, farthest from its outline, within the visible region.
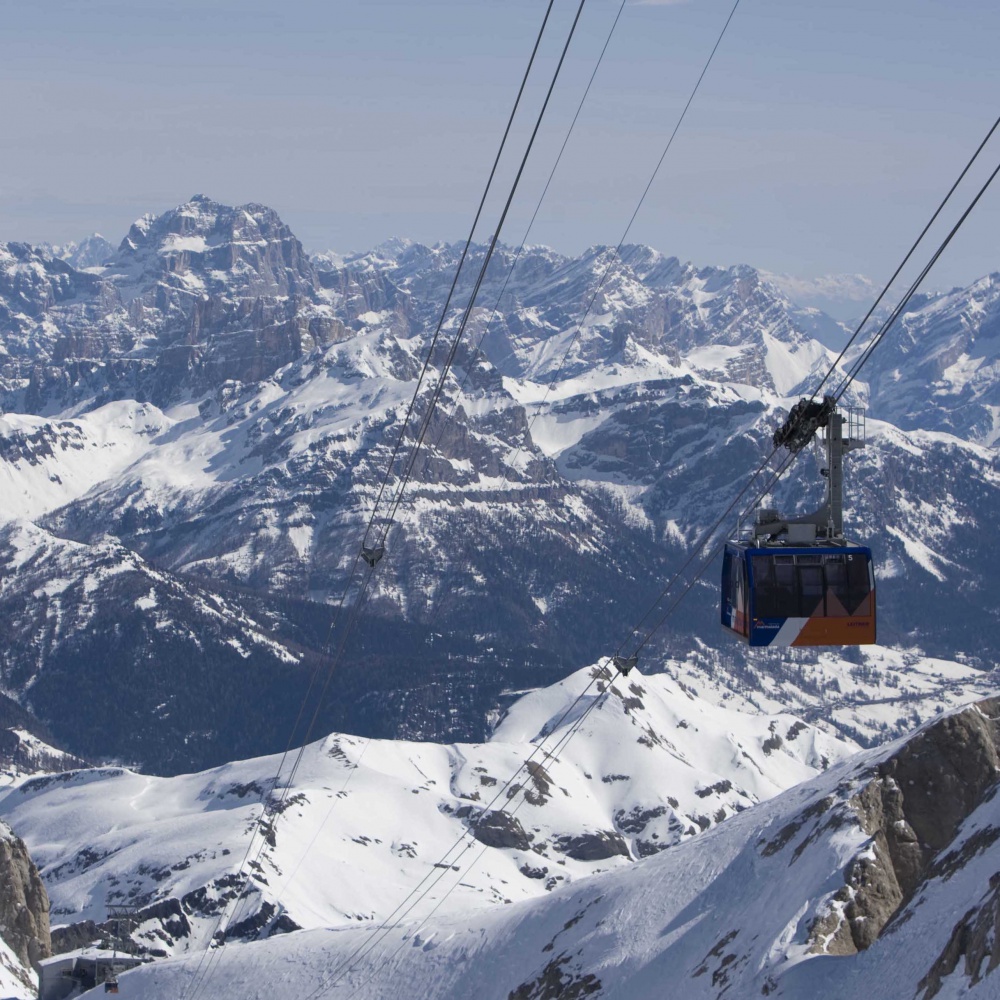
(458, 270)
(444, 373)
(346, 965)
(440, 323)
(707, 536)
(446, 860)
(613, 259)
(897, 312)
(905, 260)
(426, 364)
(435, 397)
(278, 809)
(545, 191)
(444, 311)
(442, 379)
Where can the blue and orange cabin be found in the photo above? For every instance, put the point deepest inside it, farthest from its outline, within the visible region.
(817, 595)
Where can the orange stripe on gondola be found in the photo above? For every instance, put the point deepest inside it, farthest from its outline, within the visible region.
(837, 632)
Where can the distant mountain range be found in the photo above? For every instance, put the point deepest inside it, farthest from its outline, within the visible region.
(195, 425)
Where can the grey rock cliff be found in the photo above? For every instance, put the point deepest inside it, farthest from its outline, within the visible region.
(912, 809)
(24, 904)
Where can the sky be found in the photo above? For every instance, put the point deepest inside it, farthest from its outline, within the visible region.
(822, 137)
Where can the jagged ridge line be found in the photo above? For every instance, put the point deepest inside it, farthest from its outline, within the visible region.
(615, 254)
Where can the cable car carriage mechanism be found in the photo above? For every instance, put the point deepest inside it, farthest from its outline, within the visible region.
(799, 581)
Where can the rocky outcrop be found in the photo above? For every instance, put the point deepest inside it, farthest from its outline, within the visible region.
(558, 982)
(24, 904)
(598, 846)
(976, 938)
(499, 829)
(206, 292)
(912, 808)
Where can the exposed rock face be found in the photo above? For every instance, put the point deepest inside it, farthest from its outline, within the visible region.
(976, 937)
(204, 293)
(557, 982)
(24, 904)
(499, 829)
(593, 846)
(912, 809)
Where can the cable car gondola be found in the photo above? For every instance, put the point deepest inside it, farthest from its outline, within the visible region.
(799, 581)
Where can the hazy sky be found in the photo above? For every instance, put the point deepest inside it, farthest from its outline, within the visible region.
(822, 137)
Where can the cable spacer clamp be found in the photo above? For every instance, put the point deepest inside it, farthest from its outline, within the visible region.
(623, 664)
(372, 555)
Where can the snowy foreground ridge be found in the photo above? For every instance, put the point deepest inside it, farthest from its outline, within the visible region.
(820, 871)
(364, 821)
(875, 878)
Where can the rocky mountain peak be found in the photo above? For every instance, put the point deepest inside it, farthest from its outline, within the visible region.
(204, 247)
(90, 252)
(950, 341)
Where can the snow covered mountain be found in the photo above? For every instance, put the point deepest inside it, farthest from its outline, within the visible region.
(195, 427)
(875, 878)
(949, 344)
(215, 409)
(92, 251)
(877, 873)
(360, 823)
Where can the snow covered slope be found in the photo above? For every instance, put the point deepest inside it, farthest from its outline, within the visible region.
(48, 463)
(363, 822)
(939, 369)
(96, 637)
(876, 879)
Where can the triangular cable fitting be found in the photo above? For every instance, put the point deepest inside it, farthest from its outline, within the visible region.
(623, 664)
(372, 555)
